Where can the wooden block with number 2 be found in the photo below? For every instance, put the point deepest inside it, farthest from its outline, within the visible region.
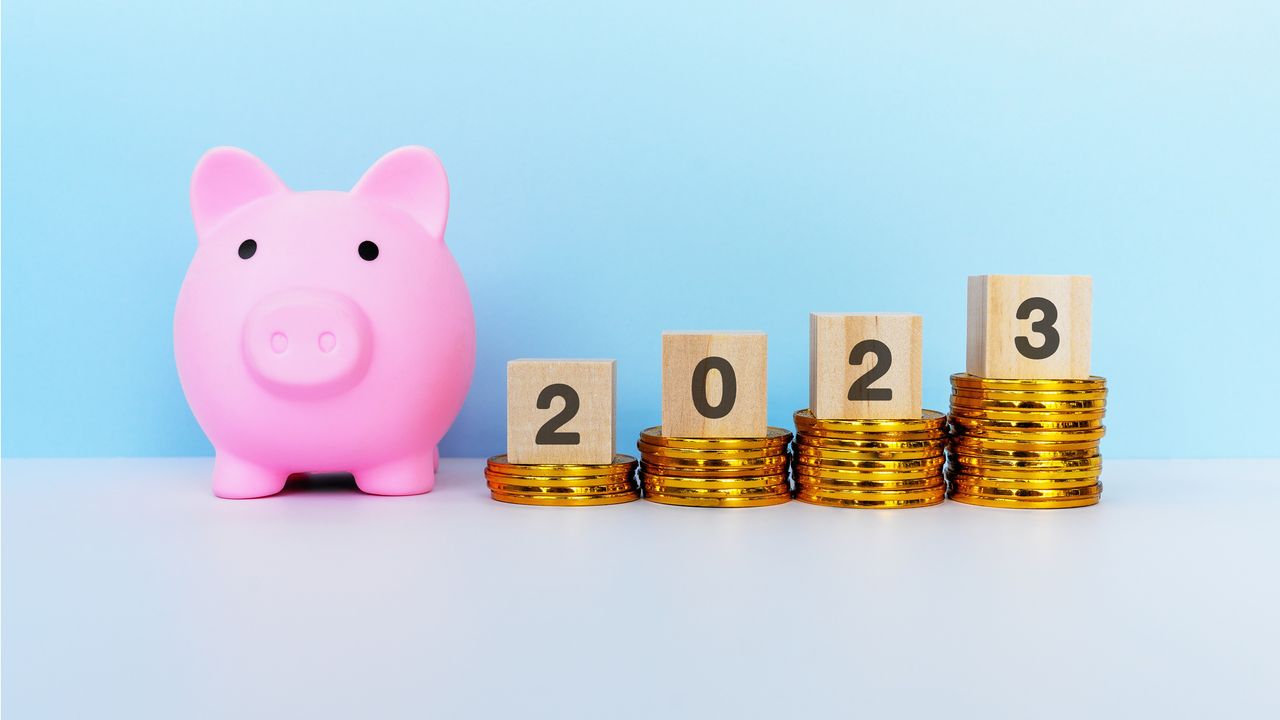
(1030, 326)
(864, 365)
(561, 411)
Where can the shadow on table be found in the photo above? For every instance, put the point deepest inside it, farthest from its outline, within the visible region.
(320, 483)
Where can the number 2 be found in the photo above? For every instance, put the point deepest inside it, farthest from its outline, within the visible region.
(549, 433)
(860, 389)
(1043, 326)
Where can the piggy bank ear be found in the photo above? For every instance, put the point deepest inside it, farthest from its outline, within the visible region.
(225, 179)
(412, 179)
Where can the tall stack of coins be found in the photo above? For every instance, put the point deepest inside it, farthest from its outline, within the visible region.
(715, 472)
(563, 484)
(1026, 443)
(870, 463)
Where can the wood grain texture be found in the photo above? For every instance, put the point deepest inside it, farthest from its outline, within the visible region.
(994, 301)
(746, 353)
(832, 372)
(594, 382)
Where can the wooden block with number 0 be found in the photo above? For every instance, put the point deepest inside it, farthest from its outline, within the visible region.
(864, 365)
(714, 384)
(561, 411)
(1030, 326)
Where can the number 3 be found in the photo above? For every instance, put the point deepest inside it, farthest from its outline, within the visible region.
(1044, 326)
(549, 433)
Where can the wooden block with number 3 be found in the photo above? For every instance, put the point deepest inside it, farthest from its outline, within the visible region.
(1030, 326)
(714, 384)
(561, 411)
(864, 365)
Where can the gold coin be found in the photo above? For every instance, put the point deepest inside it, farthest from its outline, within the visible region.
(499, 464)
(570, 481)
(1036, 405)
(882, 504)
(713, 474)
(839, 474)
(1040, 456)
(968, 424)
(566, 500)
(866, 455)
(978, 432)
(864, 495)
(820, 435)
(929, 420)
(713, 483)
(846, 454)
(759, 501)
(761, 464)
(1015, 395)
(809, 481)
(519, 489)
(1015, 473)
(710, 473)
(1022, 416)
(560, 480)
(896, 465)
(782, 487)
(967, 479)
(1028, 493)
(835, 443)
(775, 437)
(967, 461)
(965, 380)
(685, 453)
(1023, 448)
(1021, 503)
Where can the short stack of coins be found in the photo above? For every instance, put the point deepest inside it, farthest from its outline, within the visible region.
(563, 484)
(715, 472)
(870, 463)
(1026, 443)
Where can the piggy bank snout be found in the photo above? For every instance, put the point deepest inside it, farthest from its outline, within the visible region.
(307, 343)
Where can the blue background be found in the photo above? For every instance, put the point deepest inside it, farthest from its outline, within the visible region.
(626, 168)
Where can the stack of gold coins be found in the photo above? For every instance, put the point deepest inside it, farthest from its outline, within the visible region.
(563, 484)
(715, 472)
(1026, 443)
(870, 463)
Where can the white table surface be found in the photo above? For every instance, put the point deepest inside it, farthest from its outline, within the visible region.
(129, 591)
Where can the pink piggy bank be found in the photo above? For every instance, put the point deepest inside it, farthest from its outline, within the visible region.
(323, 331)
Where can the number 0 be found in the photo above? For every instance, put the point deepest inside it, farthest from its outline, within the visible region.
(728, 387)
(549, 433)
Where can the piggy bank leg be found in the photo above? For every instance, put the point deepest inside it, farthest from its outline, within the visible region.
(406, 476)
(435, 458)
(238, 479)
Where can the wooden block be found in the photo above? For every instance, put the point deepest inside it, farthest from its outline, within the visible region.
(865, 365)
(561, 411)
(1030, 326)
(714, 384)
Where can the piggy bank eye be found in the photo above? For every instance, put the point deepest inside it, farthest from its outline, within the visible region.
(248, 248)
(368, 250)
